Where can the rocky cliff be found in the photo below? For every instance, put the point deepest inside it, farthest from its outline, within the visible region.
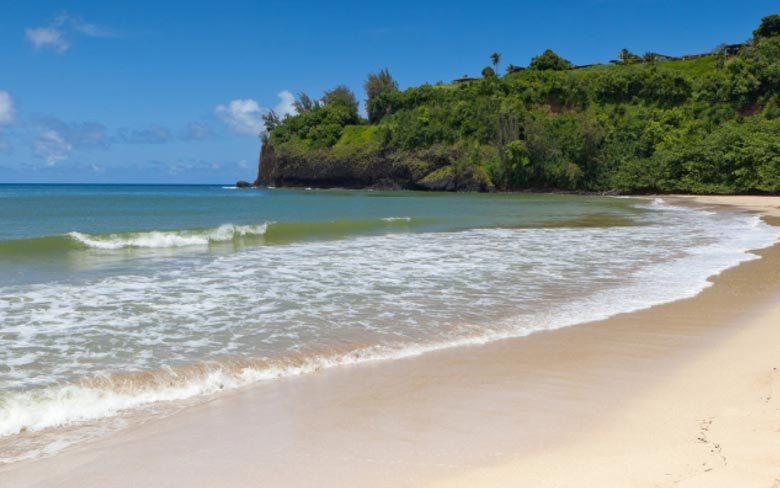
(437, 169)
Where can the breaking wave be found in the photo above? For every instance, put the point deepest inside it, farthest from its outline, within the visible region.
(265, 233)
(210, 323)
(166, 239)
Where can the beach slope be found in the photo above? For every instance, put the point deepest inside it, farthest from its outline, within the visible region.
(682, 394)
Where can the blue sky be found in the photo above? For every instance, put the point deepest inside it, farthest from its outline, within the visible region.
(171, 92)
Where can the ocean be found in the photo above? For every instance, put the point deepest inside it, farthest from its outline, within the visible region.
(122, 302)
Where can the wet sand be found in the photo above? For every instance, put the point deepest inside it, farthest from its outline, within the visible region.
(683, 394)
(763, 204)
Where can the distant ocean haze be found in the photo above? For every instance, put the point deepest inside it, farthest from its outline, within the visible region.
(120, 300)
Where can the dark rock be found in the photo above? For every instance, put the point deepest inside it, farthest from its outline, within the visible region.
(386, 184)
(243, 184)
(431, 169)
(451, 178)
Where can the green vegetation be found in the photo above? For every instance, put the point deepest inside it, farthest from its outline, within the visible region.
(378, 87)
(704, 125)
(495, 59)
(548, 60)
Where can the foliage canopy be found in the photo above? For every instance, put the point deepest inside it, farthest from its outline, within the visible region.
(548, 60)
(378, 86)
(703, 125)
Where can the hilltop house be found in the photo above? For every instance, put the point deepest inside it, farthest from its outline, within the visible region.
(464, 79)
(662, 57)
(727, 49)
(732, 49)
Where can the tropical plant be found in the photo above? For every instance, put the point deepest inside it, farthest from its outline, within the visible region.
(701, 125)
(487, 72)
(495, 58)
(304, 103)
(341, 95)
(379, 86)
(769, 27)
(627, 57)
(548, 60)
(271, 120)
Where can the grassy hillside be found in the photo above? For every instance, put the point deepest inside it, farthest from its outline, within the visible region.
(709, 125)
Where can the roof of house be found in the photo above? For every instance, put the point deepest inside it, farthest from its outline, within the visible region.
(464, 78)
(663, 56)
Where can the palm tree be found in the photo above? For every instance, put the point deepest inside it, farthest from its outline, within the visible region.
(627, 57)
(495, 58)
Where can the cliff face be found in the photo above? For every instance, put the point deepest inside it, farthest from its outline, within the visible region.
(434, 169)
(265, 171)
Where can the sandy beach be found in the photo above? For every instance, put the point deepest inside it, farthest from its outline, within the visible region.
(714, 422)
(682, 394)
(763, 204)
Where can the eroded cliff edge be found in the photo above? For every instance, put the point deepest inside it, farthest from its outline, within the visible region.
(707, 123)
(435, 168)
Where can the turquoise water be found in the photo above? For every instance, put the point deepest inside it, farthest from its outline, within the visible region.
(33, 211)
(118, 301)
(47, 229)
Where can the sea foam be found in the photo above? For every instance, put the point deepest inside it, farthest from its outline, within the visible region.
(168, 239)
(199, 325)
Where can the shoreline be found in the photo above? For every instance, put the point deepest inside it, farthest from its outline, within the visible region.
(453, 411)
(768, 206)
(714, 422)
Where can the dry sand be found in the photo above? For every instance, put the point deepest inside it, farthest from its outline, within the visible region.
(714, 423)
(765, 205)
(683, 394)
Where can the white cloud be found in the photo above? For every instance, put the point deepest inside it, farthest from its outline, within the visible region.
(84, 28)
(6, 108)
(245, 116)
(56, 139)
(286, 104)
(43, 37)
(81, 135)
(51, 146)
(7, 113)
(64, 26)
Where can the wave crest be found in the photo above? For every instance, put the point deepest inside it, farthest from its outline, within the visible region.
(167, 239)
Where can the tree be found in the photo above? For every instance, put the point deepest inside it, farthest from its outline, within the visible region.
(770, 27)
(636, 128)
(548, 60)
(271, 121)
(339, 108)
(507, 131)
(378, 86)
(303, 103)
(650, 58)
(341, 95)
(627, 57)
(495, 58)
(488, 72)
